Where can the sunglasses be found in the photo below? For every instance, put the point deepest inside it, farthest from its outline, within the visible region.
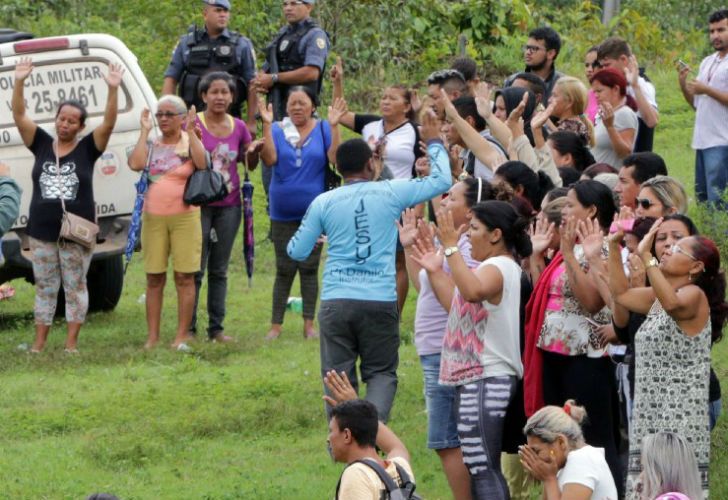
(676, 249)
(643, 202)
(532, 48)
(166, 114)
(444, 74)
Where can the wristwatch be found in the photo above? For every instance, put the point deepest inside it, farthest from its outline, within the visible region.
(653, 262)
(274, 78)
(451, 250)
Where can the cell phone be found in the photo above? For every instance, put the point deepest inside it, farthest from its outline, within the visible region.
(682, 64)
(625, 224)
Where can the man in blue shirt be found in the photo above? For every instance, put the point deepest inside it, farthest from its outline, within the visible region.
(358, 315)
(213, 48)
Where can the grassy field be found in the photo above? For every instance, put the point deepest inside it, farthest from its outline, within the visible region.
(238, 421)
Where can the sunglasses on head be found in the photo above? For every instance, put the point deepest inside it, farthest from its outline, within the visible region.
(444, 74)
(643, 202)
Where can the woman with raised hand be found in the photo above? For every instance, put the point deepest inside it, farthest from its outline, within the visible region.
(170, 227)
(564, 355)
(394, 137)
(63, 170)
(298, 149)
(616, 124)
(559, 457)
(431, 322)
(228, 141)
(481, 353)
(685, 307)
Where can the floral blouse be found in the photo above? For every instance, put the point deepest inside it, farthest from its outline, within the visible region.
(566, 329)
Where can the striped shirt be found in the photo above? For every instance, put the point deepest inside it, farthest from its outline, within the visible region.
(710, 115)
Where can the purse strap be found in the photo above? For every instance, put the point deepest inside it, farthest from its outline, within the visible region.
(58, 176)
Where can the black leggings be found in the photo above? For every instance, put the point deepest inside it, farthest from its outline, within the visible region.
(286, 269)
(589, 381)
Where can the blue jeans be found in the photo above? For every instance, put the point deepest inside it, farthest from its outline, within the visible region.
(442, 410)
(219, 227)
(711, 174)
(714, 411)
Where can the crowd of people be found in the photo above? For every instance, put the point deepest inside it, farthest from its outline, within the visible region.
(566, 304)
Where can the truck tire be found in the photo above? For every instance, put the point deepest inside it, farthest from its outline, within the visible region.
(105, 281)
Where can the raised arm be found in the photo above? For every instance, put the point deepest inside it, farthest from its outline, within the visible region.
(482, 148)
(649, 113)
(138, 158)
(340, 390)
(407, 237)
(585, 290)
(337, 79)
(103, 131)
(424, 253)
(197, 149)
(637, 300)
(268, 154)
(416, 191)
(497, 128)
(336, 112)
(26, 126)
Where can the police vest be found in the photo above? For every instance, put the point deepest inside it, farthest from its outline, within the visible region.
(289, 58)
(211, 55)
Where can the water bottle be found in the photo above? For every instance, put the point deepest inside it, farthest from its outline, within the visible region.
(295, 304)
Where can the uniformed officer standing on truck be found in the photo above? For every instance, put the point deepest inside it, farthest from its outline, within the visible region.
(296, 56)
(213, 48)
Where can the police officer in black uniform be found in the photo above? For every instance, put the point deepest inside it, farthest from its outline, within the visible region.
(213, 48)
(296, 56)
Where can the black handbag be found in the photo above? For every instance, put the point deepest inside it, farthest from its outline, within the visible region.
(205, 186)
(332, 180)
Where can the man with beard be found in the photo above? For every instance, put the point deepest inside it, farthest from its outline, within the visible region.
(708, 94)
(540, 53)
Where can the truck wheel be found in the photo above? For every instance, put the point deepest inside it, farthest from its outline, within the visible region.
(105, 281)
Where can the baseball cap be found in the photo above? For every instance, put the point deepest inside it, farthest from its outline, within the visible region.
(218, 3)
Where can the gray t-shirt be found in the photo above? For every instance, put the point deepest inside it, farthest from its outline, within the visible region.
(624, 118)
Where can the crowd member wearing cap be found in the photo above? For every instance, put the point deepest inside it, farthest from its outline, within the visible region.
(213, 48)
(558, 456)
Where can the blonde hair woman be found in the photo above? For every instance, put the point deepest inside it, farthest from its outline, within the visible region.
(557, 455)
(568, 103)
(659, 196)
(669, 468)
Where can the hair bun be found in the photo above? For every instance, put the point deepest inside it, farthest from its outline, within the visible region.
(576, 412)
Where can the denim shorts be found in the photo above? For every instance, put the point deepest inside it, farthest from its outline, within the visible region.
(441, 401)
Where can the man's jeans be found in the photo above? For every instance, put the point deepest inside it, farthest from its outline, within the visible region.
(369, 330)
(219, 227)
(711, 174)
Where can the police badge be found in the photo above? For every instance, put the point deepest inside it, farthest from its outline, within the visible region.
(283, 46)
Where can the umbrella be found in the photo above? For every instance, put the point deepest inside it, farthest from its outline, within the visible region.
(136, 216)
(248, 236)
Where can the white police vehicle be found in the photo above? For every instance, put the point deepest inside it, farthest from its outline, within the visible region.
(73, 67)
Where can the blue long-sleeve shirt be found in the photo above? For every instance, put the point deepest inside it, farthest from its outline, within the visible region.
(359, 221)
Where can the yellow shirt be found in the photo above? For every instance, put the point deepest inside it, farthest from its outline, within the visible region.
(361, 482)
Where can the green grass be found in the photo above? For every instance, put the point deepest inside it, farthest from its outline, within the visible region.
(240, 421)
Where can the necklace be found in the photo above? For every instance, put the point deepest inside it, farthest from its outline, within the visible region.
(714, 66)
